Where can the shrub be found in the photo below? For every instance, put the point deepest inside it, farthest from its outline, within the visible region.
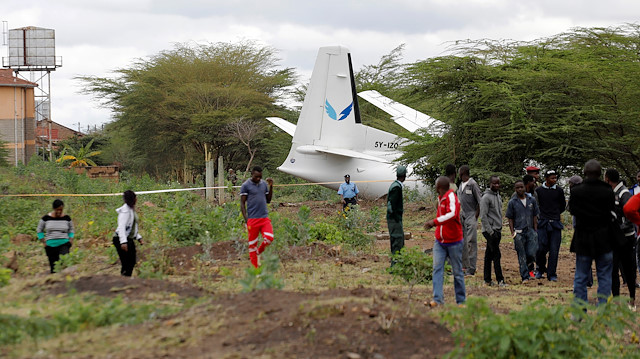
(5, 276)
(540, 331)
(412, 265)
(290, 232)
(74, 257)
(263, 277)
(326, 232)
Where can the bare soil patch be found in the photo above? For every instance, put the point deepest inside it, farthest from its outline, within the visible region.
(358, 323)
(182, 258)
(131, 288)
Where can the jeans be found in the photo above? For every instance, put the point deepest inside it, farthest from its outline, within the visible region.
(526, 244)
(604, 264)
(440, 253)
(470, 235)
(549, 239)
(492, 255)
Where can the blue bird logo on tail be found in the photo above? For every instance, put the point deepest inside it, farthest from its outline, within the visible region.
(332, 112)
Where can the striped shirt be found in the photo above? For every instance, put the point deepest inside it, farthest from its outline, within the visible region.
(56, 231)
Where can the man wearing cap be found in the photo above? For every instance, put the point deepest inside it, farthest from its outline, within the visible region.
(395, 210)
(552, 203)
(535, 172)
(348, 192)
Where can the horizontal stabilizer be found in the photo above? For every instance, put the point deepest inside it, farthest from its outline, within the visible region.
(352, 154)
(404, 116)
(283, 124)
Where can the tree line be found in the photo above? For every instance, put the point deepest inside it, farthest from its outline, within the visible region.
(555, 102)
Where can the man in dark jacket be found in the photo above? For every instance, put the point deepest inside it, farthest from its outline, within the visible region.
(592, 203)
(551, 203)
(395, 210)
(624, 257)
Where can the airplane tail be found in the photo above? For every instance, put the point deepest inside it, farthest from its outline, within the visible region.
(330, 111)
(329, 139)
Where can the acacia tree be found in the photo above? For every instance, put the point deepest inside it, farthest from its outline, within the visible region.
(558, 101)
(247, 132)
(173, 104)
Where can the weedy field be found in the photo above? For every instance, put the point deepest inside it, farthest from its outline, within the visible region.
(323, 291)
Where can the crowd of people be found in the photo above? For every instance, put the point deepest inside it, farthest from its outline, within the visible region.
(605, 216)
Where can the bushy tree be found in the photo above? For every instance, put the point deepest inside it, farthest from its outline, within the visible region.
(557, 101)
(176, 105)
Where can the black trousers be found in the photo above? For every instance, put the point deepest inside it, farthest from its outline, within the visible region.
(349, 202)
(624, 258)
(492, 255)
(54, 253)
(396, 235)
(127, 258)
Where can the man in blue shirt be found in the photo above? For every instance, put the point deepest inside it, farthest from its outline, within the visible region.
(522, 212)
(254, 196)
(348, 192)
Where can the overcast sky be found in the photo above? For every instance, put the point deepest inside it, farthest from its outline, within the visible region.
(95, 37)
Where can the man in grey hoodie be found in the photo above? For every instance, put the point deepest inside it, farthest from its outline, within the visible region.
(491, 219)
(469, 195)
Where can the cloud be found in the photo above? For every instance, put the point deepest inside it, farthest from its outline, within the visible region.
(99, 36)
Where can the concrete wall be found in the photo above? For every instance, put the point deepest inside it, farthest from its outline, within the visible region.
(17, 122)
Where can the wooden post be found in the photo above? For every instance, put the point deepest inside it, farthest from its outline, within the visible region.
(220, 181)
(208, 176)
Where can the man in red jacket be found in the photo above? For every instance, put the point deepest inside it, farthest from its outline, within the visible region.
(448, 243)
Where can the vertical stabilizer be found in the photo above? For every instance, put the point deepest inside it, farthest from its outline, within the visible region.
(330, 113)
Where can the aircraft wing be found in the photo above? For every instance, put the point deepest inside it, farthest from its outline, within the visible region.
(283, 124)
(352, 154)
(404, 116)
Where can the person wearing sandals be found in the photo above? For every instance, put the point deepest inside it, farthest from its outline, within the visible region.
(55, 230)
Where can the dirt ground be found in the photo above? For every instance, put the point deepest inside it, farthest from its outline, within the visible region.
(333, 319)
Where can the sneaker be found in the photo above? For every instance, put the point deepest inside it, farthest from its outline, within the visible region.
(490, 284)
(539, 275)
(553, 279)
(502, 284)
(526, 280)
(532, 274)
(468, 273)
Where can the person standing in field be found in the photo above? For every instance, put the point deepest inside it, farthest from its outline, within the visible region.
(552, 203)
(530, 186)
(624, 257)
(448, 243)
(395, 210)
(254, 196)
(491, 219)
(450, 173)
(522, 212)
(592, 203)
(348, 192)
(534, 172)
(55, 230)
(127, 233)
(469, 195)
